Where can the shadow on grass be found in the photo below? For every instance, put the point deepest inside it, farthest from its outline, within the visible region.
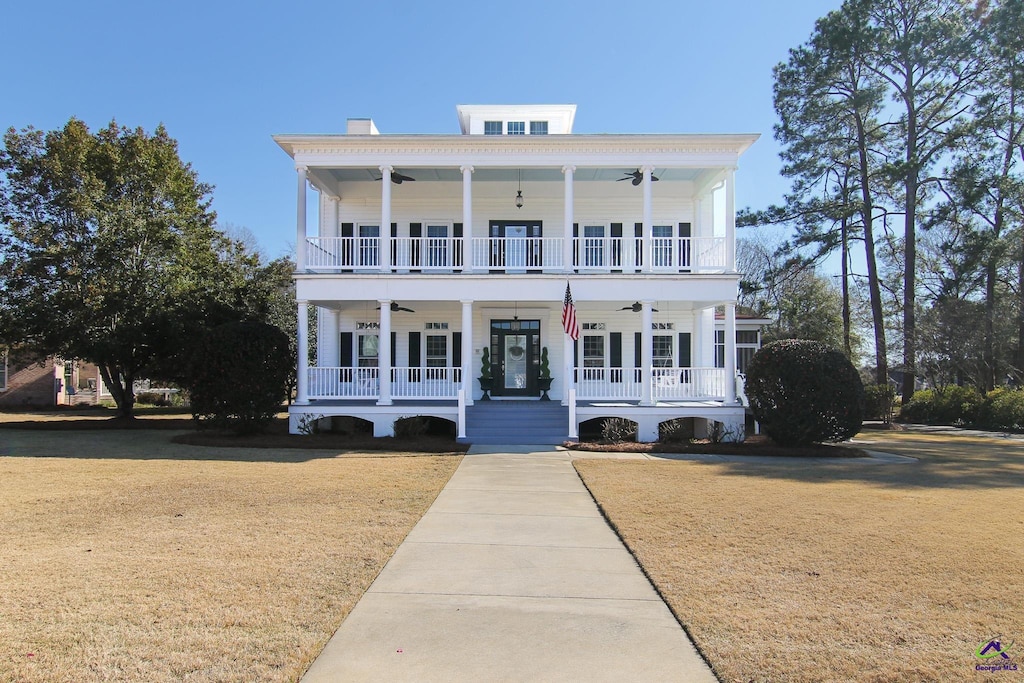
(944, 461)
(152, 439)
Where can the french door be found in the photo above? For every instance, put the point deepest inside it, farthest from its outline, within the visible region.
(515, 357)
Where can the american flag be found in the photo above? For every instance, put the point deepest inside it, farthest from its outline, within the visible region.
(572, 328)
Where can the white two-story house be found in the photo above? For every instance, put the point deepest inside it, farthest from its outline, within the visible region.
(431, 254)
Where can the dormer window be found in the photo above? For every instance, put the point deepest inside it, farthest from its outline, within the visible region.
(538, 127)
(492, 127)
(517, 127)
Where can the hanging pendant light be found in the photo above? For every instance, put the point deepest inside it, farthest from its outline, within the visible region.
(519, 194)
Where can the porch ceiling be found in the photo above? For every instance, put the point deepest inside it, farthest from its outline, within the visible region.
(368, 309)
(452, 175)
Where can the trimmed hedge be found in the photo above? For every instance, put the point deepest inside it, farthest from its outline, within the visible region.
(952, 405)
(1001, 409)
(805, 392)
(238, 376)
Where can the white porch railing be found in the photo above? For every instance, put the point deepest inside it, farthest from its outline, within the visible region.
(608, 383)
(342, 253)
(426, 383)
(668, 384)
(427, 253)
(668, 254)
(590, 254)
(517, 253)
(688, 383)
(364, 383)
(343, 383)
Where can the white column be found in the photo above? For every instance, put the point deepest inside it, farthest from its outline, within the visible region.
(730, 352)
(328, 351)
(331, 221)
(567, 245)
(646, 353)
(467, 234)
(467, 349)
(648, 230)
(302, 347)
(385, 222)
(300, 221)
(384, 350)
(730, 220)
(707, 335)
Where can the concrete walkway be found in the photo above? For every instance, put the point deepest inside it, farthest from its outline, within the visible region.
(512, 575)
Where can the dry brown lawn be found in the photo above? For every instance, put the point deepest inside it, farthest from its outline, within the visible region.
(834, 572)
(124, 556)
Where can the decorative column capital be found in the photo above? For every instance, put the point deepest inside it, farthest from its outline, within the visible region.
(466, 302)
(301, 168)
(466, 169)
(647, 170)
(386, 170)
(568, 168)
(382, 302)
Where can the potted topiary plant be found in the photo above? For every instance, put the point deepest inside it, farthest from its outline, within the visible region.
(544, 375)
(485, 374)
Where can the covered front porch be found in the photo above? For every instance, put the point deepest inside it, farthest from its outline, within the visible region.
(380, 359)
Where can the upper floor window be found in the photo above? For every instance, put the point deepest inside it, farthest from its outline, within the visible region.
(517, 127)
(538, 127)
(492, 127)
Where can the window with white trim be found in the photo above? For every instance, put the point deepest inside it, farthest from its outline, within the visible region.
(661, 245)
(369, 245)
(437, 245)
(593, 349)
(492, 127)
(538, 127)
(437, 351)
(662, 352)
(517, 127)
(593, 246)
(368, 350)
(747, 344)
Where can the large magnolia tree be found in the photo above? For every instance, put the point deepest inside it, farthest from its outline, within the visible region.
(108, 250)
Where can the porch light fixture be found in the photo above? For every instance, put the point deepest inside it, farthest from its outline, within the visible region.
(519, 193)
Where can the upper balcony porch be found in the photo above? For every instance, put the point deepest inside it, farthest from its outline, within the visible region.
(557, 204)
(598, 253)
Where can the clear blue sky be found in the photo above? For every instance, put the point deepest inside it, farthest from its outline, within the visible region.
(223, 79)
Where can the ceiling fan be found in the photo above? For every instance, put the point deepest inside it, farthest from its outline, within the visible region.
(636, 308)
(637, 177)
(397, 178)
(395, 308)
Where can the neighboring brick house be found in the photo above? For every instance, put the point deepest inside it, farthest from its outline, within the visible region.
(28, 383)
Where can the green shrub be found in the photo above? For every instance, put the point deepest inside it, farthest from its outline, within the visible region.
(804, 392)
(952, 405)
(618, 429)
(238, 375)
(878, 401)
(1002, 409)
